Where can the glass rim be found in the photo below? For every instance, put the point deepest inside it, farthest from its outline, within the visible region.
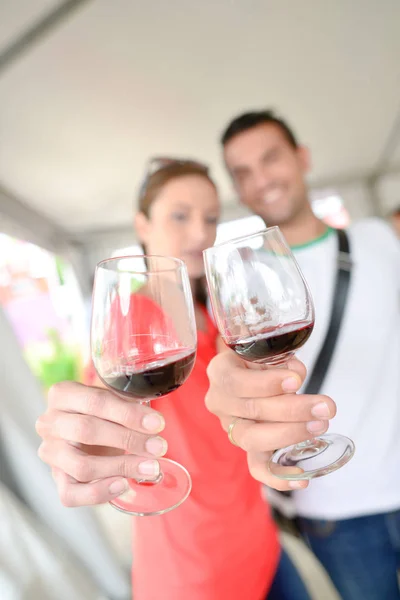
(178, 263)
(242, 237)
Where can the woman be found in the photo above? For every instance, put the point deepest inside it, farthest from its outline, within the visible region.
(222, 543)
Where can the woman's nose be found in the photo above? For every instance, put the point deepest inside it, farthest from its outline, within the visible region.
(198, 232)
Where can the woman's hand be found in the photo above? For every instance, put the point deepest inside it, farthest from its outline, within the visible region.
(93, 441)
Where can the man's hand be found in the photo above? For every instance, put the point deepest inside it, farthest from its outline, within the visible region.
(271, 414)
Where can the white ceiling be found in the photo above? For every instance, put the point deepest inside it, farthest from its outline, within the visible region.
(395, 158)
(118, 81)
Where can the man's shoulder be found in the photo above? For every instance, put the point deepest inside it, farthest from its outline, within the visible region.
(375, 230)
(371, 225)
(377, 235)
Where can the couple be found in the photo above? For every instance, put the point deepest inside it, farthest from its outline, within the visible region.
(222, 544)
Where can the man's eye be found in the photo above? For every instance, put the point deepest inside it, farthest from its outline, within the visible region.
(272, 156)
(240, 177)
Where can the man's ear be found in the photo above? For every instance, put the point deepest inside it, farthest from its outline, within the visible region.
(304, 156)
(141, 224)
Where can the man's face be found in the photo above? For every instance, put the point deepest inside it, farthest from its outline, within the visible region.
(268, 173)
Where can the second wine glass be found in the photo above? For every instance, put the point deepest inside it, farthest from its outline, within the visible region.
(143, 343)
(265, 313)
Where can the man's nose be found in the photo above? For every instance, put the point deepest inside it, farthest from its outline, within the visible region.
(262, 179)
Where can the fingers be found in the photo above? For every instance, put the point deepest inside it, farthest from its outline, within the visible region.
(231, 374)
(260, 437)
(85, 468)
(79, 421)
(73, 494)
(288, 407)
(97, 418)
(295, 365)
(92, 431)
(266, 396)
(74, 397)
(258, 467)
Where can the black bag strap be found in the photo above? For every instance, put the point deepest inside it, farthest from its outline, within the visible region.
(343, 276)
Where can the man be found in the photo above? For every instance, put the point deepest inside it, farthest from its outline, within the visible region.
(351, 518)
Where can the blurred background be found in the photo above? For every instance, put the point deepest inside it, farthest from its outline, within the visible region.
(89, 89)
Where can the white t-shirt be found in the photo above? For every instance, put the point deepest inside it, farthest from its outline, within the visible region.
(364, 376)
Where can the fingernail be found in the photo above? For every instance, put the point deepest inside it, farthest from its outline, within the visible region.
(153, 422)
(291, 384)
(118, 487)
(320, 410)
(156, 446)
(297, 485)
(317, 426)
(149, 467)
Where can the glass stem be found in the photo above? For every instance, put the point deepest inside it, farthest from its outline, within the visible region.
(146, 402)
(282, 364)
(306, 444)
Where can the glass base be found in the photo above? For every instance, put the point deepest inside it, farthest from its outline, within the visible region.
(312, 458)
(149, 498)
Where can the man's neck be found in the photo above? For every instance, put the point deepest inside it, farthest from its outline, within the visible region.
(303, 229)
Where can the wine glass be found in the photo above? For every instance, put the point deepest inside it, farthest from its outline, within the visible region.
(143, 345)
(264, 312)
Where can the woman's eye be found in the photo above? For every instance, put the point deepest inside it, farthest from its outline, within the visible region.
(179, 216)
(212, 220)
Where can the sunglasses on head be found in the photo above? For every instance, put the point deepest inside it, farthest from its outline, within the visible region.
(159, 163)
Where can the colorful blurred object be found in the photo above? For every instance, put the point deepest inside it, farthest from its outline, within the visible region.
(42, 304)
(61, 362)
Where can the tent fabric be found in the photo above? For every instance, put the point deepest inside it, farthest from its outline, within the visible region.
(30, 480)
(84, 104)
(33, 563)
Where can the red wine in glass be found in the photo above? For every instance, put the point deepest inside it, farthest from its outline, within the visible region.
(269, 344)
(158, 376)
(143, 344)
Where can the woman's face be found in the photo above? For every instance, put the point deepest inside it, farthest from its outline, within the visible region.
(182, 222)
